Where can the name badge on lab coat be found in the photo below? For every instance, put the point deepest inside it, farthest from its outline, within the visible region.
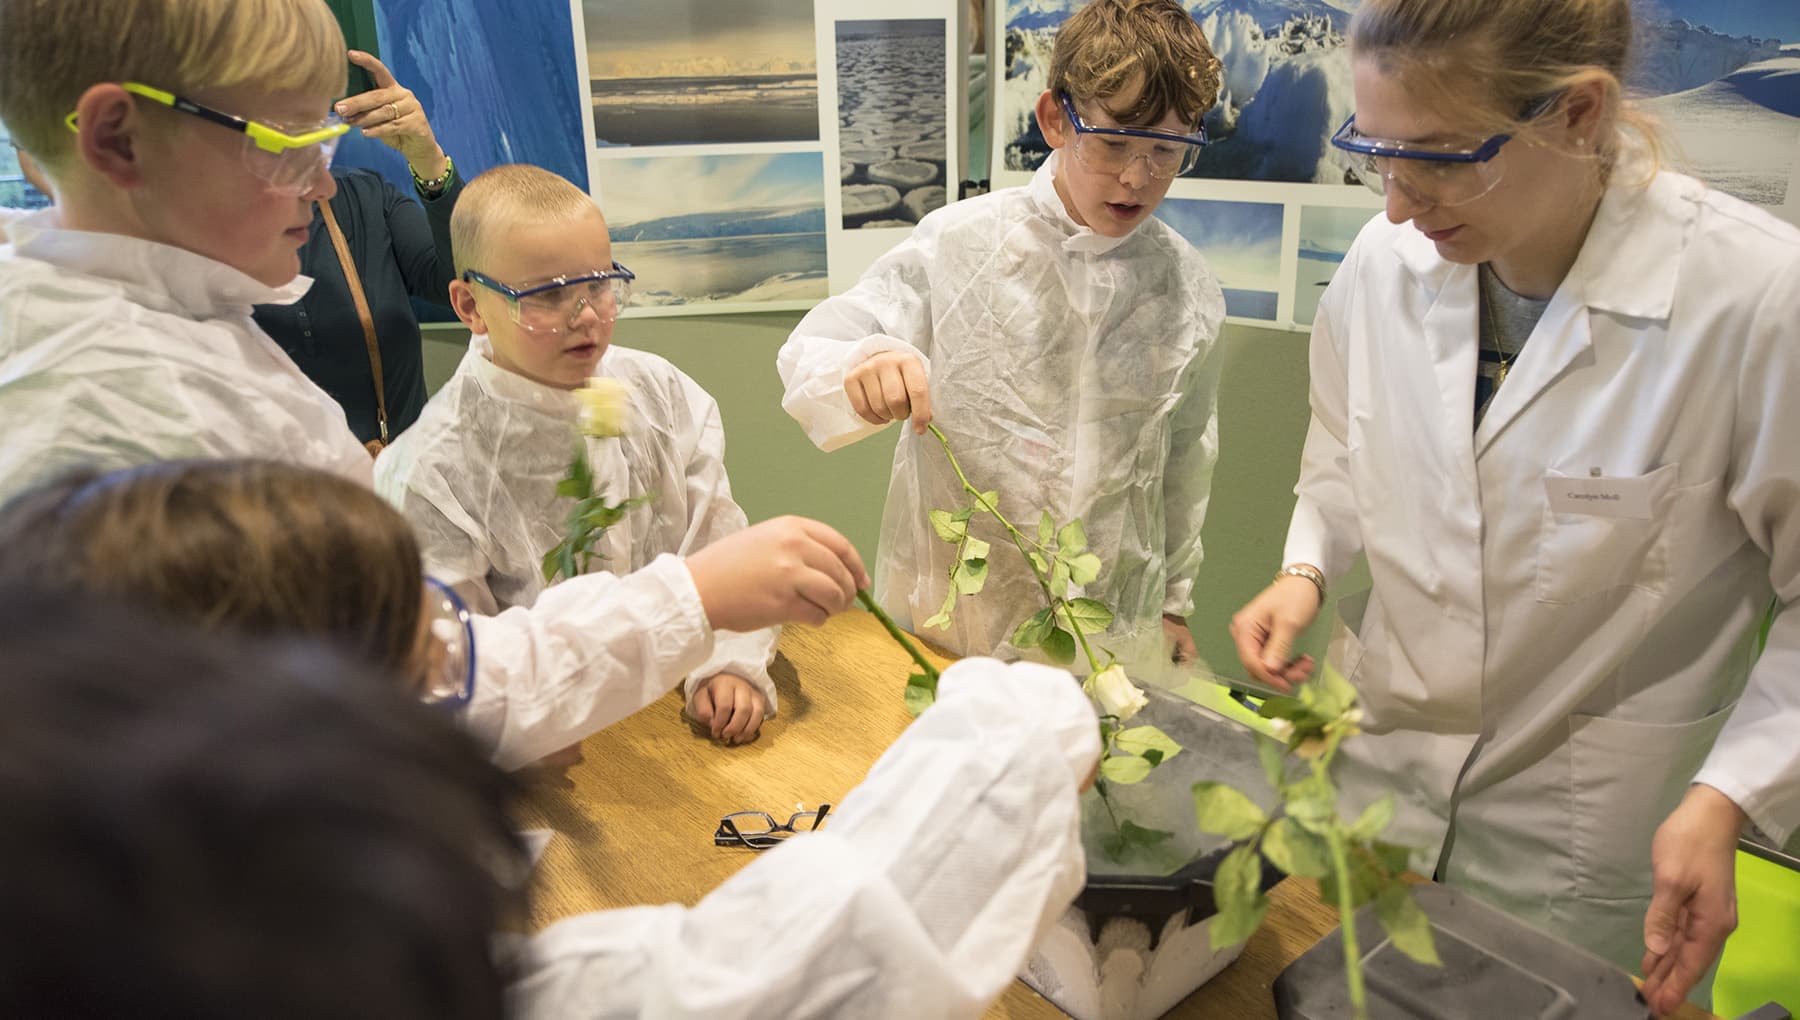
(1600, 497)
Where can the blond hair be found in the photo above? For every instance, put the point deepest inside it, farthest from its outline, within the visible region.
(1109, 43)
(52, 51)
(514, 193)
(1492, 62)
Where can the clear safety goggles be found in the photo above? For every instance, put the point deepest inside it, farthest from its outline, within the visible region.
(290, 161)
(449, 679)
(1444, 174)
(1109, 150)
(554, 305)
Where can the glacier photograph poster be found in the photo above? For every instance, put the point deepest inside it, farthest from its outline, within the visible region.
(892, 120)
(701, 72)
(1241, 242)
(1723, 76)
(723, 230)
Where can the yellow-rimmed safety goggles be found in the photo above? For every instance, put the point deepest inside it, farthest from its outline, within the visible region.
(289, 162)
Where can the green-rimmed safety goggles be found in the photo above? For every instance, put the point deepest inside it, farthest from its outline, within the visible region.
(289, 162)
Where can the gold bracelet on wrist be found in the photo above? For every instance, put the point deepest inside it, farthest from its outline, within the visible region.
(1307, 571)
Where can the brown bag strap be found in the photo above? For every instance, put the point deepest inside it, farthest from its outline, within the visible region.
(362, 312)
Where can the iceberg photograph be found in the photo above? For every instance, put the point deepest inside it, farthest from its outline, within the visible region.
(746, 228)
(1241, 242)
(891, 121)
(697, 72)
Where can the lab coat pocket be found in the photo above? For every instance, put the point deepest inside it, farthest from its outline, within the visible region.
(1624, 780)
(1604, 534)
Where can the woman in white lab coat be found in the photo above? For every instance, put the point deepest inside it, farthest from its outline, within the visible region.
(1553, 396)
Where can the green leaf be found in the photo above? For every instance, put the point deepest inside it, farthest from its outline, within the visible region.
(1059, 578)
(1141, 740)
(1238, 894)
(969, 576)
(1154, 757)
(921, 691)
(1124, 769)
(1220, 809)
(1137, 835)
(1084, 568)
(918, 699)
(1046, 528)
(1059, 646)
(1071, 539)
(1282, 708)
(1038, 563)
(1406, 924)
(1393, 859)
(1333, 694)
(573, 488)
(947, 526)
(974, 549)
(1309, 803)
(1090, 616)
(551, 560)
(1033, 631)
(988, 501)
(1374, 820)
(1296, 851)
(1113, 845)
(565, 560)
(942, 619)
(1365, 881)
(1270, 752)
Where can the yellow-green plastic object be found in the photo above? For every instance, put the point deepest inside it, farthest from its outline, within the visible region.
(1762, 958)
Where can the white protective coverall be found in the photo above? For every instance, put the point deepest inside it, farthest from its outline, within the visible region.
(477, 474)
(1566, 600)
(921, 897)
(116, 351)
(1072, 372)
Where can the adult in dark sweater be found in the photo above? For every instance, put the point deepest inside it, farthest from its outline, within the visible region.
(401, 249)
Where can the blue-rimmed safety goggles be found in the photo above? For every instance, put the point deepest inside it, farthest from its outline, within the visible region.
(554, 305)
(1431, 173)
(1112, 149)
(449, 677)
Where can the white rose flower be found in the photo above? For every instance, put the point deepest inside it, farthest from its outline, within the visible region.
(1114, 692)
(605, 407)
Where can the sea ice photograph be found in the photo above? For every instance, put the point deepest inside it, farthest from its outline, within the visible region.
(1241, 242)
(693, 72)
(708, 229)
(1326, 232)
(891, 121)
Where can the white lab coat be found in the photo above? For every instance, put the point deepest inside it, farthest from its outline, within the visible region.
(1072, 372)
(921, 897)
(477, 474)
(1549, 676)
(116, 351)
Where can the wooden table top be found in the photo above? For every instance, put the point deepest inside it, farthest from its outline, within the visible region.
(635, 824)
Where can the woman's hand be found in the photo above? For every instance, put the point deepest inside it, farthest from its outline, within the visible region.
(1693, 861)
(1264, 632)
(392, 115)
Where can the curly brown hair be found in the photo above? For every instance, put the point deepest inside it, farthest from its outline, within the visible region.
(1109, 45)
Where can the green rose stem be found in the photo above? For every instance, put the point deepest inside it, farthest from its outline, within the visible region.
(1019, 540)
(1346, 904)
(899, 636)
(1108, 734)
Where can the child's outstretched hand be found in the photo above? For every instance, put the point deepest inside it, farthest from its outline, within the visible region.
(888, 387)
(731, 707)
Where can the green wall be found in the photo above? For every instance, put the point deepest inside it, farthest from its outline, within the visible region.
(775, 470)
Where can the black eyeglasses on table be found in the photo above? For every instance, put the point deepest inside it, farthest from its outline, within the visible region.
(759, 830)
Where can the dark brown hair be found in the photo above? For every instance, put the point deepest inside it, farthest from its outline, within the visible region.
(245, 545)
(1108, 43)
